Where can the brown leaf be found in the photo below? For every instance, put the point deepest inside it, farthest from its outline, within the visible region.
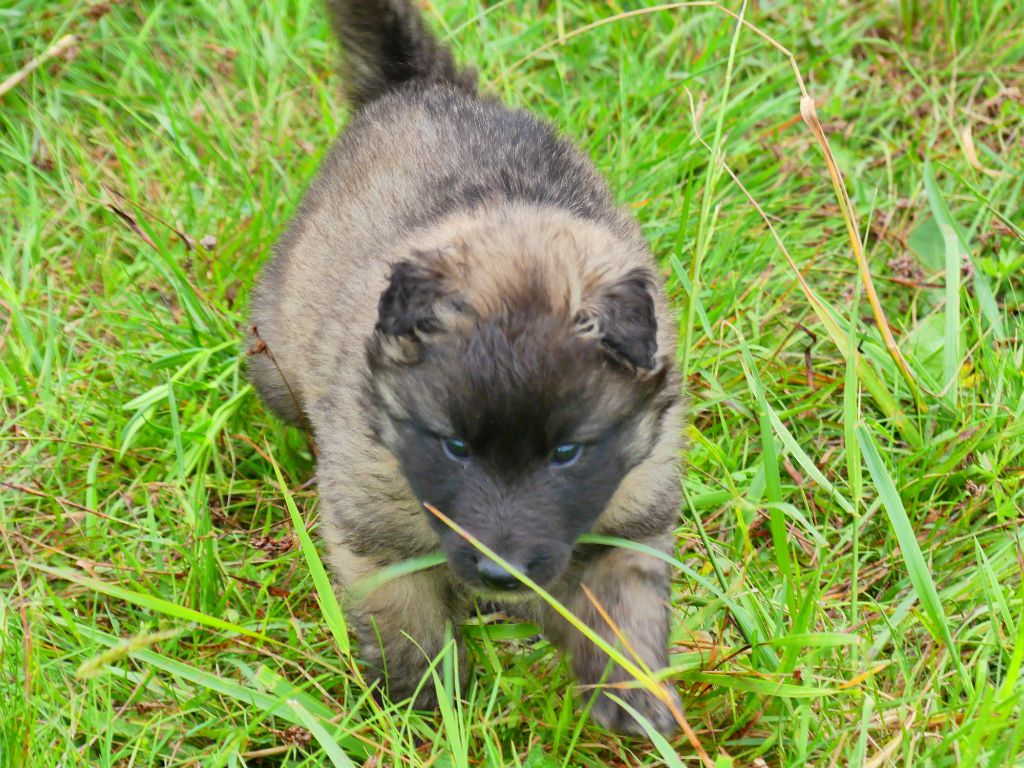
(967, 139)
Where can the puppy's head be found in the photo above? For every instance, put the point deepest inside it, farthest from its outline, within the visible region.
(515, 374)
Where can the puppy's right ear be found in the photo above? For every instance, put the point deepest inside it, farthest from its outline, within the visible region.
(628, 322)
(408, 305)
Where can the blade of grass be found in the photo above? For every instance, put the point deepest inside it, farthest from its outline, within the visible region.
(149, 602)
(851, 417)
(327, 743)
(815, 640)
(951, 346)
(770, 458)
(806, 462)
(95, 666)
(707, 216)
(325, 596)
(753, 684)
(920, 577)
(944, 218)
(378, 578)
(668, 755)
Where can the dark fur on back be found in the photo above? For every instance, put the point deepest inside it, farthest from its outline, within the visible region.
(535, 165)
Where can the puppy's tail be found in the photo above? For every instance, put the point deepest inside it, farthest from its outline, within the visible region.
(387, 44)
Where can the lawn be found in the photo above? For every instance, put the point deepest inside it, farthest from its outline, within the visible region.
(849, 286)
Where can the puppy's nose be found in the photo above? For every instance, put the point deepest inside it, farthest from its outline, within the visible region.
(496, 577)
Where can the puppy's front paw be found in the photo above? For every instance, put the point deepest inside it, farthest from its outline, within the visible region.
(613, 717)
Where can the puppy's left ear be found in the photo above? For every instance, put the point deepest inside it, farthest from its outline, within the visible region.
(407, 305)
(627, 323)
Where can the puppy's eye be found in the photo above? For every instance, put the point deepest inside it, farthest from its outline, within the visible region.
(566, 454)
(455, 449)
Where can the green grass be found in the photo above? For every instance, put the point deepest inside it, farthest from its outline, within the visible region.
(848, 573)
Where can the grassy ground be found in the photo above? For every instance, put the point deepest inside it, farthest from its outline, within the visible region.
(848, 585)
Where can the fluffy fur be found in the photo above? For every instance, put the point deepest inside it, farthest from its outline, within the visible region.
(457, 270)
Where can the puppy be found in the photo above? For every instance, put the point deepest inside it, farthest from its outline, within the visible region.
(464, 319)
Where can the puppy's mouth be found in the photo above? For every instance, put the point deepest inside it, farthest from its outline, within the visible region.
(503, 598)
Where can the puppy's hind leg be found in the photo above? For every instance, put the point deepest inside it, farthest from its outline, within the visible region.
(633, 589)
(401, 627)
